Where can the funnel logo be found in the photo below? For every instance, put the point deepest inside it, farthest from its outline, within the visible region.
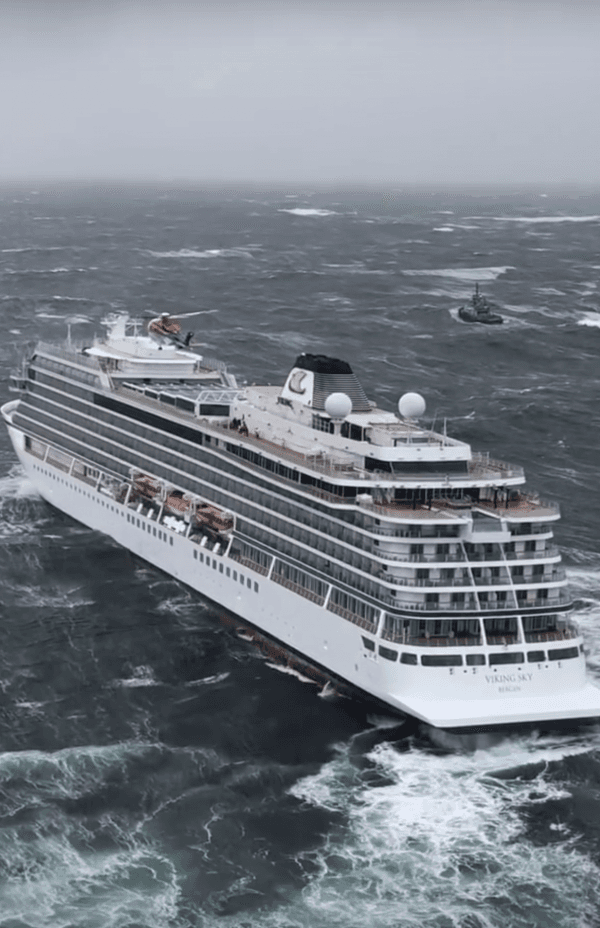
(295, 382)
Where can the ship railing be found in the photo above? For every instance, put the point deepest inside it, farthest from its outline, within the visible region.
(37, 448)
(481, 463)
(492, 581)
(359, 620)
(437, 641)
(535, 529)
(249, 563)
(465, 606)
(84, 473)
(206, 363)
(559, 634)
(59, 459)
(550, 551)
(73, 353)
(426, 582)
(554, 576)
(297, 588)
(390, 532)
(498, 641)
(526, 504)
(419, 558)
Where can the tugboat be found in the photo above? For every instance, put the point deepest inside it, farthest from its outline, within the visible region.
(480, 310)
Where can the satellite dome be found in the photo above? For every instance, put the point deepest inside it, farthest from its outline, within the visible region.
(338, 405)
(411, 405)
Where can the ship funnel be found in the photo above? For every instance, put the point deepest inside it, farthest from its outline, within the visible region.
(315, 377)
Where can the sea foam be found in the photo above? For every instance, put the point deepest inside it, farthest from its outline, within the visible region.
(461, 273)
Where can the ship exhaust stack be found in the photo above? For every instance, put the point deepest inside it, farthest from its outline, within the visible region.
(315, 377)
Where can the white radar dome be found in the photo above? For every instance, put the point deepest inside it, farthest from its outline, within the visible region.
(411, 405)
(338, 405)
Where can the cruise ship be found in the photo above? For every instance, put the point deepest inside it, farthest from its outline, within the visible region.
(389, 557)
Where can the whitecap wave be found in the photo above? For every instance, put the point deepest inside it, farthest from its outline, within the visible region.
(285, 668)
(444, 229)
(54, 872)
(444, 841)
(546, 219)
(17, 486)
(591, 320)
(299, 211)
(461, 273)
(206, 253)
(140, 676)
(216, 678)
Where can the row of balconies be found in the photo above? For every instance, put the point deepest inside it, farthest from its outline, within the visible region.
(555, 576)
(460, 557)
(556, 597)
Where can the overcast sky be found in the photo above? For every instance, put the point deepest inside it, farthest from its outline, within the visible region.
(398, 91)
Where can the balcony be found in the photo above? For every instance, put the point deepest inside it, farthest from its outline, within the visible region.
(567, 633)
(433, 641)
(548, 552)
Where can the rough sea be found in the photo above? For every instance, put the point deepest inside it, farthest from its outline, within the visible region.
(159, 771)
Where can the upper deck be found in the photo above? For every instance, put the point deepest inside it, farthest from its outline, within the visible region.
(368, 452)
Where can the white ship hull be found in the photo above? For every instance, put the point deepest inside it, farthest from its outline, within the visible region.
(445, 697)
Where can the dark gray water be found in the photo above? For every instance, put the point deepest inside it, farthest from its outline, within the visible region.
(155, 769)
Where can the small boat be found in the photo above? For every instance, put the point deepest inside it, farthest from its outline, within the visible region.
(480, 310)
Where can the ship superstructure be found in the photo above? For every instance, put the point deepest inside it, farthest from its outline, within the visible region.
(390, 556)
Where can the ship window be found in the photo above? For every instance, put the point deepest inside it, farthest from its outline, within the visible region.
(441, 660)
(369, 645)
(407, 658)
(255, 587)
(201, 557)
(171, 539)
(249, 583)
(475, 660)
(388, 653)
(228, 571)
(195, 555)
(536, 657)
(214, 564)
(560, 654)
(221, 567)
(235, 574)
(507, 657)
(138, 522)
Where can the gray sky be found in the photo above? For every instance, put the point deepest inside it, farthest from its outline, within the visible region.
(399, 91)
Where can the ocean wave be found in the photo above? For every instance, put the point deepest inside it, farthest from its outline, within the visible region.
(444, 841)
(215, 678)
(207, 253)
(63, 863)
(42, 272)
(356, 267)
(461, 273)
(27, 595)
(545, 219)
(17, 486)
(27, 248)
(444, 229)
(291, 671)
(141, 676)
(300, 211)
(592, 320)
